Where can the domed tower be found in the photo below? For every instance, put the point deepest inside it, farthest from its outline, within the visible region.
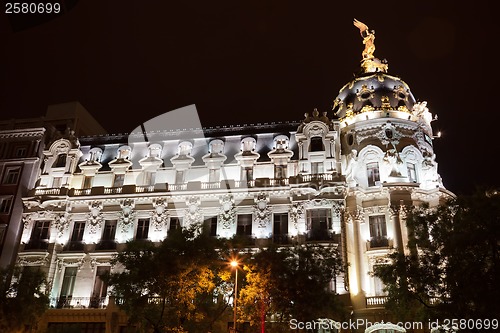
(388, 161)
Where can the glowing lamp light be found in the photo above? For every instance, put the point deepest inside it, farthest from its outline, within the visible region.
(234, 263)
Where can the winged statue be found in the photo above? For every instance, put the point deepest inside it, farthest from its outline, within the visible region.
(368, 39)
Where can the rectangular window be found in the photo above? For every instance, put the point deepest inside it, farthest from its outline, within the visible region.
(210, 226)
(142, 229)
(76, 239)
(118, 180)
(412, 172)
(6, 204)
(244, 226)
(373, 174)
(318, 223)
(280, 228)
(3, 231)
(280, 171)
(78, 230)
(109, 231)
(100, 291)
(40, 236)
(175, 223)
(67, 287)
(11, 175)
(21, 152)
(60, 161)
(378, 231)
(317, 144)
(87, 181)
(378, 285)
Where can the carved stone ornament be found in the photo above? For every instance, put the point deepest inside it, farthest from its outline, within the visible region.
(353, 216)
(159, 216)
(40, 215)
(127, 214)
(227, 211)
(193, 212)
(97, 261)
(388, 134)
(95, 216)
(296, 212)
(375, 210)
(379, 260)
(262, 212)
(71, 262)
(62, 147)
(27, 220)
(33, 260)
(422, 113)
(61, 223)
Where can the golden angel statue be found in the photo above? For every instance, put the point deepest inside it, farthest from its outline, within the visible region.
(368, 39)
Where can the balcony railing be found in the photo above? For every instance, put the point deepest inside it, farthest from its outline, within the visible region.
(375, 301)
(106, 245)
(74, 246)
(378, 243)
(71, 302)
(322, 235)
(190, 186)
(37, 244)
(281, 239)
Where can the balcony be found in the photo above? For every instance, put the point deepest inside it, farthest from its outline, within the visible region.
(282, 239)
(71, 302)
(77, 246)
(376, 301)
(378, 243)
(37, 244)
(314, 179)
(106, 245)
(322, 235)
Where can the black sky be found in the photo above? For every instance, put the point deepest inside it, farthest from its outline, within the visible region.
(259, 61)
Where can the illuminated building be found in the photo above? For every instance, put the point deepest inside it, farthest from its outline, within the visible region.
(338, 178)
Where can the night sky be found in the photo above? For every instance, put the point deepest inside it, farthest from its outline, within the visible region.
(244, 62)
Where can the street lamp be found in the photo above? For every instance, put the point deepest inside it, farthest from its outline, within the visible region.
(235, 264)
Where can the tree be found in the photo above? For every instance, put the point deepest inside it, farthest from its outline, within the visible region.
(452, 269)
(170, 287)
(291, 282)
(22, 297)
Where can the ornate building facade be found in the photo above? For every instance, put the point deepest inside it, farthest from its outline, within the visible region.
(336, 177)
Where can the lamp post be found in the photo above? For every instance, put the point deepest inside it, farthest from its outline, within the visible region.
(234, 264)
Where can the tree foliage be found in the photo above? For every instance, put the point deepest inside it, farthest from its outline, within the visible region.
(170, 287)
(22, 297)
(452, 268)
(291, 282)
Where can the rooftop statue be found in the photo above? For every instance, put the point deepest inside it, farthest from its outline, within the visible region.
(369, 62)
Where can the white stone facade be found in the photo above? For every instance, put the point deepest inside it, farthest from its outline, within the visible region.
(340, 181)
